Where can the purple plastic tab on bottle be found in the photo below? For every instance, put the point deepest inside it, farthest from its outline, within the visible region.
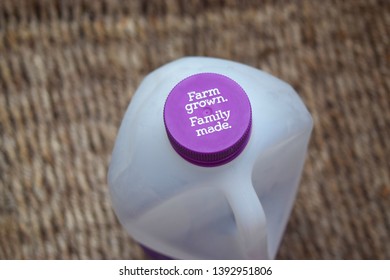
(208, 119)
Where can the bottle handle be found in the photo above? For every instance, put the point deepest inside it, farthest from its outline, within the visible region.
(250, 217)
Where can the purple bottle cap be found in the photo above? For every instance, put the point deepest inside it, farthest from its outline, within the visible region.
(208, 119)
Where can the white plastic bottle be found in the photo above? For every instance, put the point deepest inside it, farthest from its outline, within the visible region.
(208, 159)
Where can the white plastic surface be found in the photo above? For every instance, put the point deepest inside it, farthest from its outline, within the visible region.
(235, 211)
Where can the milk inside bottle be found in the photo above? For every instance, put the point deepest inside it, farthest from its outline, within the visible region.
(208, 159)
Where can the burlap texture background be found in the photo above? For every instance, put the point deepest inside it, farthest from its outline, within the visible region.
(68, 70)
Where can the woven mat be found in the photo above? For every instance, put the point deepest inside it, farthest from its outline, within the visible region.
(68, 70)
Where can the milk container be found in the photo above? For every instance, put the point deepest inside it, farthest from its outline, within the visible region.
(208, 159)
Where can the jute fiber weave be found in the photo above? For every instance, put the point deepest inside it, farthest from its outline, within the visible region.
(68, 70)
